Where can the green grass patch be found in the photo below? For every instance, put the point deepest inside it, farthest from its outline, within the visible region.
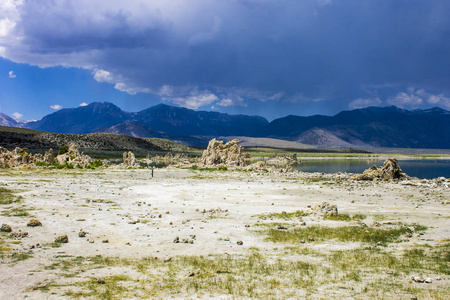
(197, 168)
(342, 234)
(283, 215)
(16, 212)
(345, 217)
(7, 196)
(288, 274)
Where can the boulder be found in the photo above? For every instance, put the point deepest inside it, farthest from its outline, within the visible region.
(34, 223)
(324, 208)
(62, 239)
(5, 228)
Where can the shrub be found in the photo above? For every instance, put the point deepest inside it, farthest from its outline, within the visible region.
(63, 149)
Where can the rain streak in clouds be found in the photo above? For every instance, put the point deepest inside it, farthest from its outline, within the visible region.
(200, 53)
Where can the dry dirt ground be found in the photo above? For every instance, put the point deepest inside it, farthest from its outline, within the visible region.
(242, 235)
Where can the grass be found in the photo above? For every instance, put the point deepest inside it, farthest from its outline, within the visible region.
(196, 168)
(283, 215)
(252, 275)
(258, 275)
(345, 217)
(7, 254)
(7, 196)
(341, 234)
(15, 212)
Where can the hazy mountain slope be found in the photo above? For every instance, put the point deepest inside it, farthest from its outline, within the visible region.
(6, 120)
(134, 129)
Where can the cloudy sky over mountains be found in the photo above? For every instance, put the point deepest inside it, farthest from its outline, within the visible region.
(265, 57)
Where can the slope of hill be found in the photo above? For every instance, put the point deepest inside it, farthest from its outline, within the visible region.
(100, 144)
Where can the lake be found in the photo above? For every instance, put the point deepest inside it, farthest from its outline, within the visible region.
(424, 169)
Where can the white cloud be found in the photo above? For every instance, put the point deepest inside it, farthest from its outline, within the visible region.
(9, 16)
(362, 103)
(419, 98)
(439, 100)
(17, 115)
(83, 104)
(11, 74)
(56, 107)
(103, 76)
(123, 87)
(195, 101)
(231, 100)
(187, 96)
(404, 100)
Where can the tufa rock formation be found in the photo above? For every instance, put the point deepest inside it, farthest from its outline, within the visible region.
(230, 154)
(74, 157)
(129, 160)
(390, 170)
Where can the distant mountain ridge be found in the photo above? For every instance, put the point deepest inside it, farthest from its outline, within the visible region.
(389, 127)
(373, 126)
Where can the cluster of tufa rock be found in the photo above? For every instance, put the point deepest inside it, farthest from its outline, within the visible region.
(230, 154)
(390, 170)
(20, 157)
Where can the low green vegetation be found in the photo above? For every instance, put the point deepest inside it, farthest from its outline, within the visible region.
(341, 234)
(7, 196)
(15, 212)
(345, 217)
(197, 168)
(378, 272)
(7, 252)
(63, 149)
(283, 215)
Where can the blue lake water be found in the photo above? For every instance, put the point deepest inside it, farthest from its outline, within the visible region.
(424, 169)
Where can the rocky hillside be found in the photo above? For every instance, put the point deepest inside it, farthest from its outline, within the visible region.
(94, 143)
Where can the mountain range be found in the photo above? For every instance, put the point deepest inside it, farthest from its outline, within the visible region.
(361, 128)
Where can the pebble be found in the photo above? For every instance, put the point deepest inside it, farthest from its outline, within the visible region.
(101, 280)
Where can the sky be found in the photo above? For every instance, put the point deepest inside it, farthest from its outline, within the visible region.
(256, 57)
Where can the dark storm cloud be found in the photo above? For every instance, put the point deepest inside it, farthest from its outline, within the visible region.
(196, 53)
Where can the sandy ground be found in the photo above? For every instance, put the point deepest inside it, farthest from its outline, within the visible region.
(141, 215)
